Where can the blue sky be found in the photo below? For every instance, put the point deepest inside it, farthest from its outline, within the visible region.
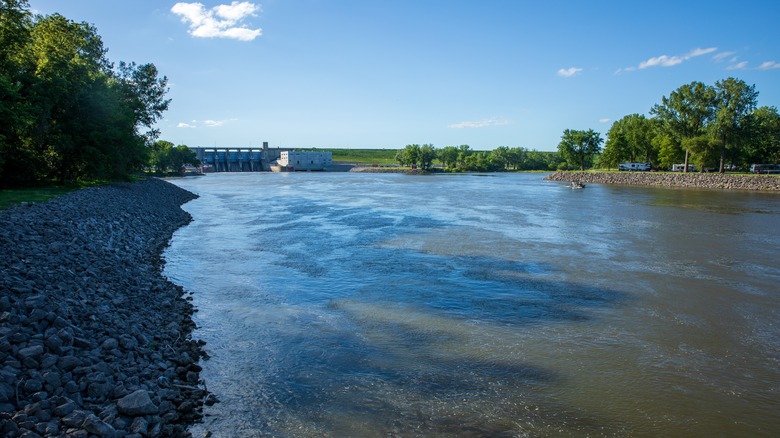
(383, 74)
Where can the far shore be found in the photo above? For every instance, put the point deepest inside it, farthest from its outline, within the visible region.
(665, 179)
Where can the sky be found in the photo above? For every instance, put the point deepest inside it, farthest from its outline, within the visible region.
(384, 74)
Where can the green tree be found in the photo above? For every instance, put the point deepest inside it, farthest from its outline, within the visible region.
(409, 155)
(734, 101)
(448, 156)
(16, 157)
(669, 150)
(145, 93)
(629, 139)
(763, 126)
(68, 58)
(579, 147)
(426, 155)
(686, 113)
(463, 152)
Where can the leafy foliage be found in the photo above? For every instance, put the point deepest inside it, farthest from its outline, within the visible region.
(67, 115)
(579, 147)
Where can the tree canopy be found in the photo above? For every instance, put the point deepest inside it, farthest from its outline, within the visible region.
(67, 113)
(579, 147)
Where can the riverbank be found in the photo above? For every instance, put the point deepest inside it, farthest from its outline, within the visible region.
(404, 170)
(93, 339)
(690, 180)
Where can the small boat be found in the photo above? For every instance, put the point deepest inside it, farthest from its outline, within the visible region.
(577, 185)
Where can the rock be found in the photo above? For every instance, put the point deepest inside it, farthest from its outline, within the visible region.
(65, 408)
(35, 352)
(136, 404)
(75, 419)
(95, 425)
(89, 319)
(140, 426)
(109, 344)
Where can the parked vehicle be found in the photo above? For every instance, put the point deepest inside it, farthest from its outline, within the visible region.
(765, 168)
(643, 167)
(681, 167)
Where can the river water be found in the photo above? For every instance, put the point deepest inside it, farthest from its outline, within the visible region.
(354, 304)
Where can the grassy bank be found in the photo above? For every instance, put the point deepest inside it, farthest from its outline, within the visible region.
(363, 156)
(9, 197)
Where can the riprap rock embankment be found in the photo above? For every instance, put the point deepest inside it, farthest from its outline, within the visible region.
(94, 341)
(693, 180)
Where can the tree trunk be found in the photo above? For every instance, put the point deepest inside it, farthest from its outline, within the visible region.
(685, 169)
(722, 151)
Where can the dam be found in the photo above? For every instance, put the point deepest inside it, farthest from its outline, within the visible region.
(237, 159)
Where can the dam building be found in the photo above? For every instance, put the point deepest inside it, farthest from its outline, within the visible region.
(291, 161)
(240, 159)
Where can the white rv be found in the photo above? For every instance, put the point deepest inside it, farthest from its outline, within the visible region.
(635, 167)
(681, 167)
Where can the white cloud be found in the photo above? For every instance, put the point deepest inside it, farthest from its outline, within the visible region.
(480, 123)
(569, 72)
(185, 125)
(604, 120)
(213, 123)
(769, 65)
(722, 56)
(222, 21)
(738, 66)
(670, 61)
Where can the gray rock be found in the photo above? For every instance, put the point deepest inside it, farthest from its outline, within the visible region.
(136, 404)
(65, 408)
(35, 352)
(109, 344)
(75, 419)
(95, 425)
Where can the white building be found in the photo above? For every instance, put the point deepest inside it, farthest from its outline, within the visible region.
(292, 160)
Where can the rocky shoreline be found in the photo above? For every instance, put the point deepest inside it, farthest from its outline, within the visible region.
(94, 341)
(690, 180)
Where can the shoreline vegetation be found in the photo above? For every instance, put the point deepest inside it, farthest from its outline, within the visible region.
(94, 340)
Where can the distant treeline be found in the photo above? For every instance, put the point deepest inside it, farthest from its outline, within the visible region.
(452, 158)
(464, 159)
(67, 112)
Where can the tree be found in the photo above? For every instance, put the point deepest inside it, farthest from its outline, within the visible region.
(448, 156)
(145, 93)
(629, 139)
(669, 150)
(763, 126)
(734, 101)
(426, 153)
(15, 110)
(66, 114)
(68, 58)
(686, 112)
(409, 155)
(169, 159)
(578, 147)
(463, 152)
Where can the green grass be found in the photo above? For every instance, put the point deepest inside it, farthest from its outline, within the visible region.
(9, 197)
(365, 156)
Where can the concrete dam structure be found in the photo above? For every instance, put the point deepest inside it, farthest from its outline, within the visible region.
(239, 159)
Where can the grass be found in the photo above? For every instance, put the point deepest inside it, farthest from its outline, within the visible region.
(364, 156)
(10, 197)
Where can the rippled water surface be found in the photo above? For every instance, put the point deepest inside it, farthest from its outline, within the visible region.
(344, 304)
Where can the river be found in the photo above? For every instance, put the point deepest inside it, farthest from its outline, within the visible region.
(356, 304)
